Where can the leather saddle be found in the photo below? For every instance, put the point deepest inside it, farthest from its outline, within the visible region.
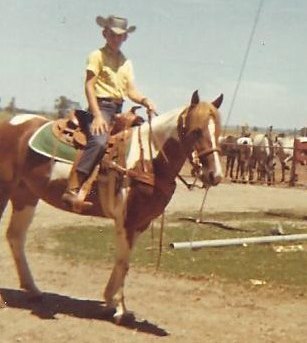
(70, 130)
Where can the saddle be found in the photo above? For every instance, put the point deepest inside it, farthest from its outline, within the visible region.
(70, 130)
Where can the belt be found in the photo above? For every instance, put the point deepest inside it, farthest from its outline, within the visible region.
(116, 101)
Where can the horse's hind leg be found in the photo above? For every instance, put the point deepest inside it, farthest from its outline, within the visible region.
(24, 203)
(4, 197)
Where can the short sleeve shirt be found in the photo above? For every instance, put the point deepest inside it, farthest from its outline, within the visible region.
(113, 73)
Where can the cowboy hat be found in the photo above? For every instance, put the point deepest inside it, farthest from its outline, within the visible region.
(116, 24)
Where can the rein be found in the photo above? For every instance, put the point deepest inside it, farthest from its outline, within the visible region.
(208, 152)
(151, 138)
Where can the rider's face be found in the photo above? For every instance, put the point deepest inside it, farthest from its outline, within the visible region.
(114, 40)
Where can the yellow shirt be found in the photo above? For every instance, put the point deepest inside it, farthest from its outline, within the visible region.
(113, 73)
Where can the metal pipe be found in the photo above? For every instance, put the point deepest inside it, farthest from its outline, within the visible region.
(236, 241)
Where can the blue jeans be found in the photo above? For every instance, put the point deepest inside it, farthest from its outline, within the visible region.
(96, 144)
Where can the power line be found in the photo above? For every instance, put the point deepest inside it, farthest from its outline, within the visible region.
(251, 37)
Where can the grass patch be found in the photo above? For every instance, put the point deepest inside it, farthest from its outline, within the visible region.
(235, 264)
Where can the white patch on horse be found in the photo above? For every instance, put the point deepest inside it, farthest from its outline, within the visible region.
(60, 170)
(163, 128)
(285, 148)
(262, 141)
(218, 166)
(22, 118)
(245, 140)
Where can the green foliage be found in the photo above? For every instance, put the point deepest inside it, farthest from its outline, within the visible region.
(234, 264)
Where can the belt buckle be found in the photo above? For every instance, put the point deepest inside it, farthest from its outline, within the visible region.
(114, 100)
(117, 101)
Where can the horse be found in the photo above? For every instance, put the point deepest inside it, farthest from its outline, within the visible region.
(229, 148)
(26, 176)
(263, 158)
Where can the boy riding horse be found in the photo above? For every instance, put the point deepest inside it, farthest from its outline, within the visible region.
(109, 79)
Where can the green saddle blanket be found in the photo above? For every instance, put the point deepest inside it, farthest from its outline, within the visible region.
(44, 142)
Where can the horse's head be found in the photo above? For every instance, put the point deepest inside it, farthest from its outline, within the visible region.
(199, 128)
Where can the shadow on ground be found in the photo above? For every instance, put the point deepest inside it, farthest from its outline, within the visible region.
(51, 304)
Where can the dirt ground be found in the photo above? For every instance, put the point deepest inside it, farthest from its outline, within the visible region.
(166, 308)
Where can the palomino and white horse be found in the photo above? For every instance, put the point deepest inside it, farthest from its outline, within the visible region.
(26, 177)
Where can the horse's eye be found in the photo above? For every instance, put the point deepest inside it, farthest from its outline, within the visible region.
(197, 133)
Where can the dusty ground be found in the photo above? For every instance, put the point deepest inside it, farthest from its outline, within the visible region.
(166, 308)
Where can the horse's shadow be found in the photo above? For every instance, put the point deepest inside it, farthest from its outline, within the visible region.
(51, 304)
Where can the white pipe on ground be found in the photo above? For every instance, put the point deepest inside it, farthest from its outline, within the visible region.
(236, 241)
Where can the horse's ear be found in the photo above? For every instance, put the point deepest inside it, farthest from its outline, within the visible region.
(195, 98)
(218, 101)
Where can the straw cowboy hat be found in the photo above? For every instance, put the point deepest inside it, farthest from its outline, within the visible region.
(116, 24)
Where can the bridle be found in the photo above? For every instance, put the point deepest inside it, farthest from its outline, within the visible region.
(196, 158)
(207, 152)
(183, 134)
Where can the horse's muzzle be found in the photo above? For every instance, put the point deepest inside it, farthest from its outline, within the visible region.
(209, 178)
(211, 174)
(214, 180)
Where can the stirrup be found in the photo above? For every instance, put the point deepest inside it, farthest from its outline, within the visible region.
(76, 204)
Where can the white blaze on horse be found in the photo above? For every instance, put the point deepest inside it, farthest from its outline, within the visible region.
(133, 189)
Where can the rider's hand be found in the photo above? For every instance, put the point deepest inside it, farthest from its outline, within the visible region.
(99, 125)
(150, 106)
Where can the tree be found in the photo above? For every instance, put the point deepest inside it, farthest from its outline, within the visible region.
(63, 105)
(303, 132)
(11, 107)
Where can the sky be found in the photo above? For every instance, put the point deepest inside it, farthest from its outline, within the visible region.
(259, 62)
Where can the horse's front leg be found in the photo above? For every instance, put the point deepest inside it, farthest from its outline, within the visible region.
(244, 171)
(283, 169)
(114, 291)
(227, 166)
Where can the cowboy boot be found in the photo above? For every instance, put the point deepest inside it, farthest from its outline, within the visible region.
(71, 195)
